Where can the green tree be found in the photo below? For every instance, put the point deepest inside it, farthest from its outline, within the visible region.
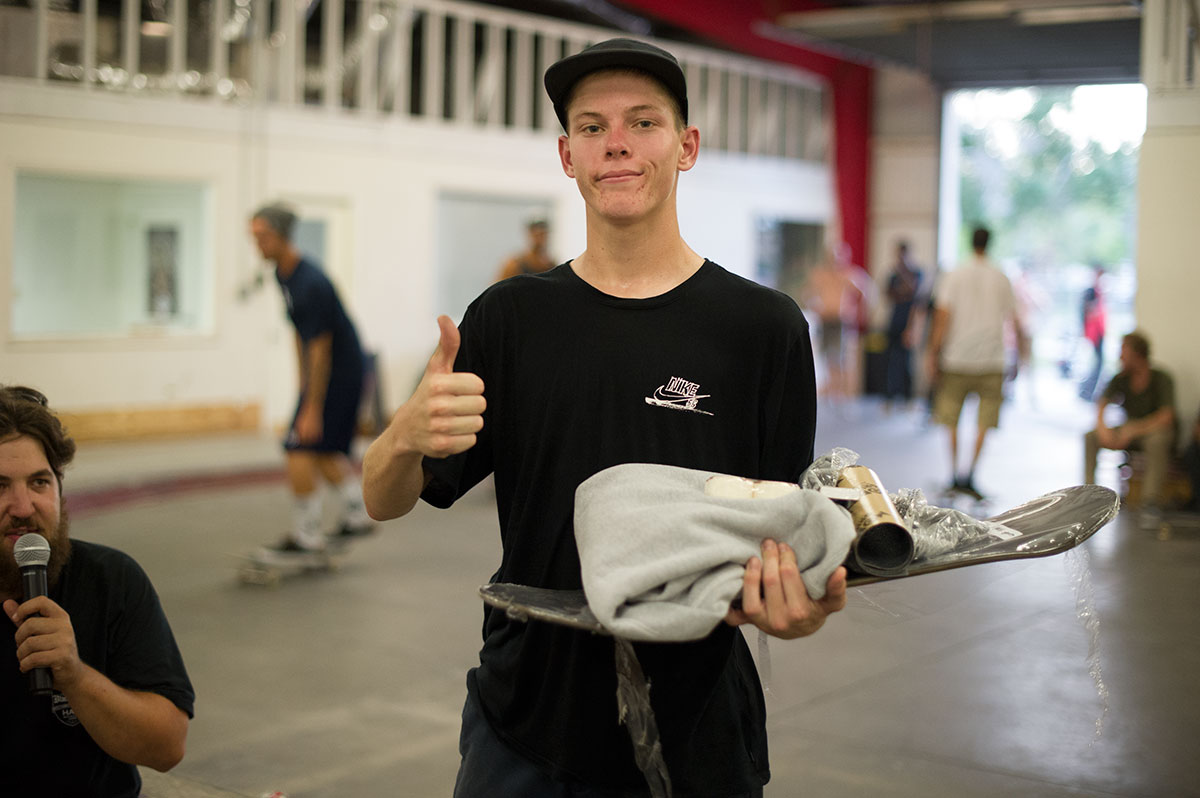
(1053, 203)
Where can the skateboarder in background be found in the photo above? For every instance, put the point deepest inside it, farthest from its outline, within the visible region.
(966, 352)
(122, 696)
(330, 369)
(568, 362)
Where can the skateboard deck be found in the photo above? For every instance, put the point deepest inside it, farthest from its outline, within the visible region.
(270, 567)
(1048, 525)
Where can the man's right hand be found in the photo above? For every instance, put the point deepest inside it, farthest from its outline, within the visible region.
(442, 418)
(446, 411)
(45, 639)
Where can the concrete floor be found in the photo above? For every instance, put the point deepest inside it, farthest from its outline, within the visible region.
(973, 683)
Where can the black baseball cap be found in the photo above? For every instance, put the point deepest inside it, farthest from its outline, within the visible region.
(562, 75)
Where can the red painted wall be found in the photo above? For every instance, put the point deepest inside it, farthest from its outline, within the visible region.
(731, 23)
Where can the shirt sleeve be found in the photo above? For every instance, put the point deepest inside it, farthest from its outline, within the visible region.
(143, 654)
(315, 310)
(790, 406)
(1166, 392)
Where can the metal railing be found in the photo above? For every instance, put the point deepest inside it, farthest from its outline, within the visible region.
(424, 60)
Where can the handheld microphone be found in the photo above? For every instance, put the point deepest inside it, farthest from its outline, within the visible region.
(32, 553)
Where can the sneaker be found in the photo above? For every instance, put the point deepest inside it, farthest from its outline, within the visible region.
(967, 487)
(289, 545)
(349, 531)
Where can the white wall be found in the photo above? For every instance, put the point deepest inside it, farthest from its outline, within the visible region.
(1168, 266)
(1168, 259)
(905, 156)
(386, 174)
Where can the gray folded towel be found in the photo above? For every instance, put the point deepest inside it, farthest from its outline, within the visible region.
(662, 560)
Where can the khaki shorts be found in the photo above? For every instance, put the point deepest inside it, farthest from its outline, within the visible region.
(952, 391)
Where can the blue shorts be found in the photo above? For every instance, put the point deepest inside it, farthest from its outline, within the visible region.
(339, 421)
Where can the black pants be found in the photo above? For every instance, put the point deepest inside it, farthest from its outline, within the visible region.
(490, 769)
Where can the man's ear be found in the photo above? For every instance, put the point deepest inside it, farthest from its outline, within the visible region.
(689, 140)
(564, 156)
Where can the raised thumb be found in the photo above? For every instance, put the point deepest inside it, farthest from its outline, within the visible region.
(442, 361)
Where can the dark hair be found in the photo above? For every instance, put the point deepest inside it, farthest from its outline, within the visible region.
(1139, 343)
(25, 412)
(980, 238)
(280, 217)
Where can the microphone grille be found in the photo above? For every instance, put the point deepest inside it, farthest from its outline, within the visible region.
(31, 549)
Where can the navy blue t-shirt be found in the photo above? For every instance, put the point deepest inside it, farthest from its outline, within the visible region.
(315, 309)
(121, 631)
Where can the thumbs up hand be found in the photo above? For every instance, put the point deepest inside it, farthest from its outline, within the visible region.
(446, 410)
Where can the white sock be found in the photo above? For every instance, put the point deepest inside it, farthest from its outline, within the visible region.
(306, 520)
(354, 512)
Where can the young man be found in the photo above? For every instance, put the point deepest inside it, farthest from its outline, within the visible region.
(121, 696)
(534, 259)
(966, 350)
(580, 367)
(1147, 396)
(330, 367)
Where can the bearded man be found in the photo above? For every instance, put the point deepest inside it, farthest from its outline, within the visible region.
(121, 696)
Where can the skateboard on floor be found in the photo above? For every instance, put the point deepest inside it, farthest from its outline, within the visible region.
(270, 567)
(1048, 525)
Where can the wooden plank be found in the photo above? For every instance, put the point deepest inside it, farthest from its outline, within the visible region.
(161, 421)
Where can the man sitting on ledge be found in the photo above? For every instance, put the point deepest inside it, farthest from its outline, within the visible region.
(1147, 396)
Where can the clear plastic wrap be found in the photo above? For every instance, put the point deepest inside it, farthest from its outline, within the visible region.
(940, 531)
(936, 531)
(826, 469)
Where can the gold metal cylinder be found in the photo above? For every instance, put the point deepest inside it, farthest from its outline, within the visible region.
(883, 546)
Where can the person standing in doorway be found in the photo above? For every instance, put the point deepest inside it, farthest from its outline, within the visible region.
(966, 350)
(835, 290)
(534, 259)
(330, 366)
(903, 289)
(1093, 320)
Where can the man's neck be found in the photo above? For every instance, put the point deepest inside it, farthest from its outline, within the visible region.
(287, 263)
(635, 261)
